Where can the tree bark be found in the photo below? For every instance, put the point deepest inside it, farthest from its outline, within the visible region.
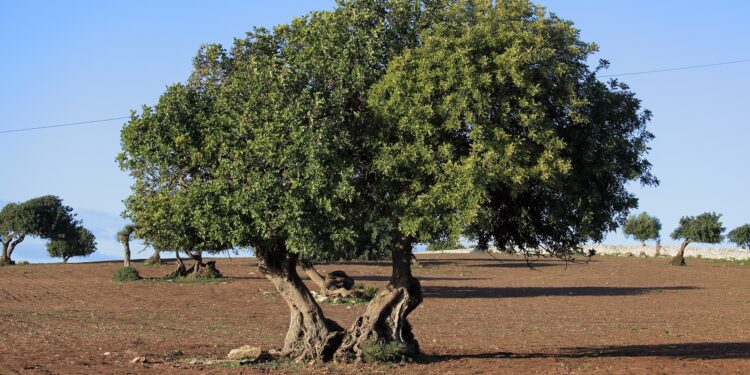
(65, 258)
(180, 271)
(12, 247)
(5, 259)
(314, 275)
(126, 245)
(311, 337)
(679, 259)
(385, 321)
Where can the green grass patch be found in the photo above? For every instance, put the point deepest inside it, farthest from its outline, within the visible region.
(125, 274)
(383, 352)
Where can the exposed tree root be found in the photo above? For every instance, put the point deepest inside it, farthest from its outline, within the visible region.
(385, 320)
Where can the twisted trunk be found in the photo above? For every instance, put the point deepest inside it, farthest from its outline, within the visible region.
(5, 259)
(180, 271)
(311, 337)
(8, 246)
(384, 321)
(126, 245)
(679, 259)
(201, 270)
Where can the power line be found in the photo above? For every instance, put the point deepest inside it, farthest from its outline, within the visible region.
(63, 125)
(680, 68)
(601, 76)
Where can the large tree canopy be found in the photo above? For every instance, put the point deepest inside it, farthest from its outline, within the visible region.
(379, 125)
(43, 217)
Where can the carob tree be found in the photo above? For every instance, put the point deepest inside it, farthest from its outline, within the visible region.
(494, 125)
(124, 236)
(704, 228)
(80, 242)
(44, 217)
(162, 151)
(382, 124)
(642, 227)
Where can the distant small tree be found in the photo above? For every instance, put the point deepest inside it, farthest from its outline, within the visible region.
(740, 236)
(642, 227)
(44, 217)
(704, 228)
(124, 236)
(79, 243)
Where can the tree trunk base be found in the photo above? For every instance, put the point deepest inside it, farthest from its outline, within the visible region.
(383, 323)
(678, 260)
(197, 271)
(307, 342)
(204, 271)
(6, 262)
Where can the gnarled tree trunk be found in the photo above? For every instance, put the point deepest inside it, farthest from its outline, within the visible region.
(5, 259)
(311, 337)
(385, 321)
(679, 259)
(201, 270)
(8, 246)
(181, 271)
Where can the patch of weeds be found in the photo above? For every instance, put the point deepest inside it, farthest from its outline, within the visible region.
(537, 328)
(383, 352)
(125, 274)
(22, 263)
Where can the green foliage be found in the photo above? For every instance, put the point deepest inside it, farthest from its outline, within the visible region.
(495, 122)
(125, 274)
(341, 131)
(740, 236)
(80, 242)
(375, 351)
(642, 227)
(45, 217)
(704, 228)
(444, 245)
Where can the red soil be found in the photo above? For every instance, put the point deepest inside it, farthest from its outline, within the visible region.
(613, 315)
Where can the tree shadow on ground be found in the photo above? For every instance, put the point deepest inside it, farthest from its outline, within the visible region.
(421, 278)
(703, 350)
(521, 292)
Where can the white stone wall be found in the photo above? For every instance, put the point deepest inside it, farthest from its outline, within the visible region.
(691, 251)
(650, 250)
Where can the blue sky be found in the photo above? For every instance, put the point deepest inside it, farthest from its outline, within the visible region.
(85, 60)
